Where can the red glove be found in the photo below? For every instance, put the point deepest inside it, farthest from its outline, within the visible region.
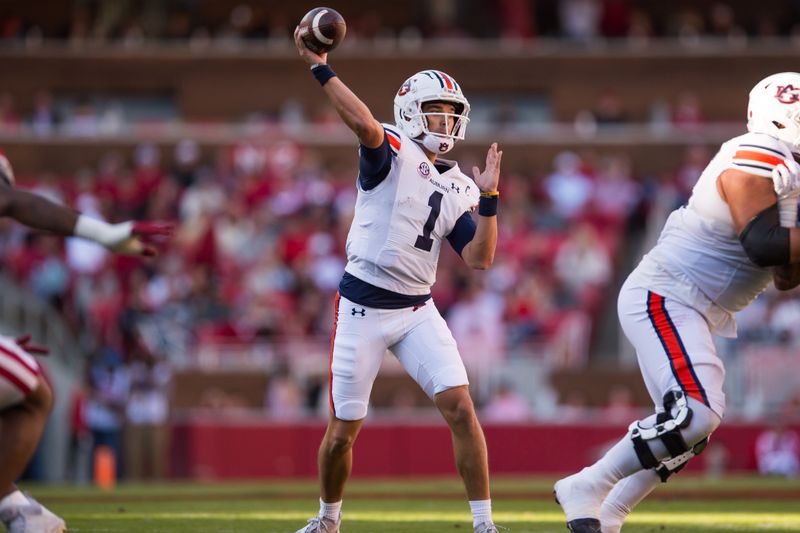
(23, 341)
(149, 232)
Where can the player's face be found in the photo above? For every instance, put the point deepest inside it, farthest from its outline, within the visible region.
(440, 123)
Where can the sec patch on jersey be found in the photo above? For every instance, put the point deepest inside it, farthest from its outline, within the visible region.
(322, 29)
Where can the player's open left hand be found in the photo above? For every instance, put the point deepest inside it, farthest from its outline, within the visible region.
(308, 56)
(488, 179)
(140, 238)
(24, 342)
(786, 178)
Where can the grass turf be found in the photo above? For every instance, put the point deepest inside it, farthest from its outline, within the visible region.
(523, 505)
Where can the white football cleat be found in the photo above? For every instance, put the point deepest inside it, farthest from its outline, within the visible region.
(321, 524)
(32, 518)
(579, 499)
(488, 527)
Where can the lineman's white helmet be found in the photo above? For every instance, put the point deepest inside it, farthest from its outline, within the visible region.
(774, 108)
(430, 86)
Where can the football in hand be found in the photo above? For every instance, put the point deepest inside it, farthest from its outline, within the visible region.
(322, 29)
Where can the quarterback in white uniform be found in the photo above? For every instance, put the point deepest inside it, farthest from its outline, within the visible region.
(409, 201)
(714, 256)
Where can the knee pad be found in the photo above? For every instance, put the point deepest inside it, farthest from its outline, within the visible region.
(676, 416)
(671, 429)
(676, 464)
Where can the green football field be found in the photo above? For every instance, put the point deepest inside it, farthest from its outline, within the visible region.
(523, 505)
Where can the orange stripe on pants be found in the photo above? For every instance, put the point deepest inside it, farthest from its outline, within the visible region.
(330, 366)
(681, 365)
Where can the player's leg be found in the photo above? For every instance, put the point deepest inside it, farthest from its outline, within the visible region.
(335, 458)
(25, 403)
(631, 490)
(469, 444)
(430, 356)
(581, 494)
(21, 427)
(678, 363)
(626, 495)
(357, 348)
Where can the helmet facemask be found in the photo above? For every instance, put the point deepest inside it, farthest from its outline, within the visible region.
(424, 88)
(441, 143)
(792, 130)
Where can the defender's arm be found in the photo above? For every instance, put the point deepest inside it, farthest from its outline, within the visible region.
(39, 213)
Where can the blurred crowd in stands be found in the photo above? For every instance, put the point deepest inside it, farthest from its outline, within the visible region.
(261, 238)
(45, 115)
(201, 22)
(259, 253)
(258, 256)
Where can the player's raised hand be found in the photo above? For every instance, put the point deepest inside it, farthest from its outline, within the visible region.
(140, 238)
(24, 342)
(488, 179)
(308, 56)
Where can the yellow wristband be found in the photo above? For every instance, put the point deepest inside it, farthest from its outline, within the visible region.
(490, 194)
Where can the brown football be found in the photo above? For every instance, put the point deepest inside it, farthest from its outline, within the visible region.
(322, 29)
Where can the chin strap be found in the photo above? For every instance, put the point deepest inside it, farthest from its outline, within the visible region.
(438, 144)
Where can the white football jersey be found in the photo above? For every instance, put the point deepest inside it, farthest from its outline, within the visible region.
(698, 258)
(398, 227)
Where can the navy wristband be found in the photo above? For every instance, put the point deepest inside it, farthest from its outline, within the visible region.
(323, 73)
(487, 206)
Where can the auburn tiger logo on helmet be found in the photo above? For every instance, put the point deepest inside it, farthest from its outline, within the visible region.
(788, 94)
(404, 88)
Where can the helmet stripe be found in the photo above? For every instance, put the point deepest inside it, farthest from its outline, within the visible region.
(441, 82)
(447, 79)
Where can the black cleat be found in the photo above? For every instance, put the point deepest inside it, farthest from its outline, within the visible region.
(584, 525)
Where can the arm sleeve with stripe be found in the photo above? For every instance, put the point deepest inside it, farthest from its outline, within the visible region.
(463, 232)
(374, 164)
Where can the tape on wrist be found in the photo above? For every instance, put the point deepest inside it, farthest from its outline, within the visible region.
(322, 72)
(102, 232)
(487, 205)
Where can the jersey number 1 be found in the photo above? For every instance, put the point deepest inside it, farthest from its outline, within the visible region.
(424, 241)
